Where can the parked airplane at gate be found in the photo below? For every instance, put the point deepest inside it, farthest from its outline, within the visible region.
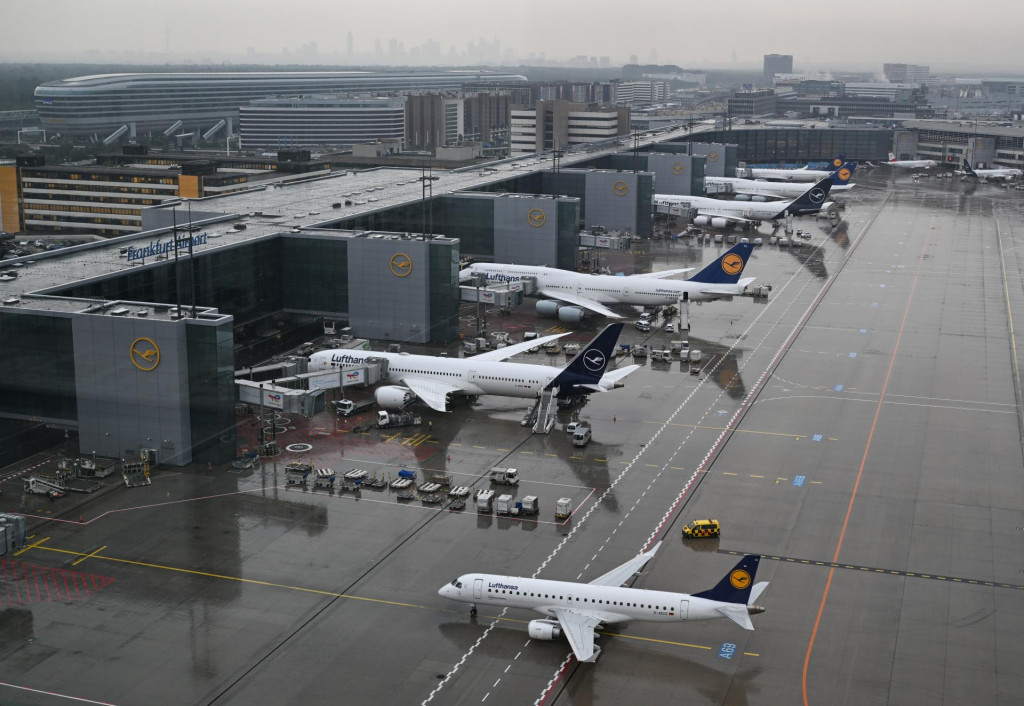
(801, 174)
(719, 279)
(910, 163)
(1006, 173)
(720, 213)
(783, 189)
(578, 609)
(433, 379)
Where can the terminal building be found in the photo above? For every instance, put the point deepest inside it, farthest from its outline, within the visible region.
(984, 145)
(101, 105)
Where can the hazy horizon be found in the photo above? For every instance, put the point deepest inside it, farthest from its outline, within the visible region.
(853, 36)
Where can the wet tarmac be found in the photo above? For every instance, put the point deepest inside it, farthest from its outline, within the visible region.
(861, 429)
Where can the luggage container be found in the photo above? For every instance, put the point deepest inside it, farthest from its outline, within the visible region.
(484, 500)
(563, 508)
(504, 504)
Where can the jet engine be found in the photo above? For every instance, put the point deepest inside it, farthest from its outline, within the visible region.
(569, 314)
(758, 198)
(393, 397)
(701, 221)
(743, 197)
(546, 307)
(544, 629)
(719, 222)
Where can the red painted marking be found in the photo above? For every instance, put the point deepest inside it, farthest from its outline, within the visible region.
(558, 677)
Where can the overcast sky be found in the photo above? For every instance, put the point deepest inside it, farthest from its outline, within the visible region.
(947, 35)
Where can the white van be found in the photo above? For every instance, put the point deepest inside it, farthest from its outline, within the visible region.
(581, 437)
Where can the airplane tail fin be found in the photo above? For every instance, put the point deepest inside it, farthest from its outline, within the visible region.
(892, 157)
(736, 586)
(842, 176)
(589, 365)
(728, 268)
(838, 161)
(811, 200)
(967, 169)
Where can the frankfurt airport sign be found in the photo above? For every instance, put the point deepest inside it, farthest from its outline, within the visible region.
(160, 247)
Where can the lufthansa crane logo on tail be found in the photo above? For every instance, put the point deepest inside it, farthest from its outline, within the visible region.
(593, 360)
(844, 174)
(732, 264)
(837, 162)
(620, 188)
(145, 354)
(816, 195)
(739, 579)
(678, 168)
(400, 264)
(536, 217)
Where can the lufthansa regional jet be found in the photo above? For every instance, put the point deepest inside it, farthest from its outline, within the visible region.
(719, 279)
(434, 380)
(1006, 173)
(578, 609)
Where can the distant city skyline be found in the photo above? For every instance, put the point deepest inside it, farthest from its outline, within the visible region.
(856, 36)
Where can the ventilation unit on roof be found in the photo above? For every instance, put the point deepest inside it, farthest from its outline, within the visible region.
(119, 311)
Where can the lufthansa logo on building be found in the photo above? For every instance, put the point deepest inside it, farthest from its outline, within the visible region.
(678, 168)
(536, 217)
(712, 156)
(145, 354)
(401, 264)
(620, 188)
(816, 195)
(732, 263)
(739, 579)
(844, 174)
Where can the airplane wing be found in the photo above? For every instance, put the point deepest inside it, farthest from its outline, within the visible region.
(731, 219)
(663, 273)
(619, 576)
(579, 628)
(586, 303)
(434, 393)
(516, 348)
(609, 379)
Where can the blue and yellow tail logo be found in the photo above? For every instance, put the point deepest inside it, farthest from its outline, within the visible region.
(739, 579)
(732, 264)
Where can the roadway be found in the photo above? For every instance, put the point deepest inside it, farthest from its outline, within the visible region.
(862, 427)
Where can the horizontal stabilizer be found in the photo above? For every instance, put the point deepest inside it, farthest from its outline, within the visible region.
(756, 592)
(736, 613)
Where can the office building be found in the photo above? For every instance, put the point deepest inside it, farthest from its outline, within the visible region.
(562, 125)
(777, 64)
(906, 73)
(100, 105)
(749, 103)
(641, 92)
(323, 120)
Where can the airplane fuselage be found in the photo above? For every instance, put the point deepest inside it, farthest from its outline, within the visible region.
(768, 188)
(748, 210)
(790, 174)
(478, 377)
(606, 289)
(612, 604)
(912, 164)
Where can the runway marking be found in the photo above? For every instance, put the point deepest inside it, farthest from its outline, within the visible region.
(1009, 311)
(877, 570)
(76, 562)
(863, 463)
(79, 699)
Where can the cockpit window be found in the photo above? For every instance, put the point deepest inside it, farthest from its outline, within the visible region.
(456, 583)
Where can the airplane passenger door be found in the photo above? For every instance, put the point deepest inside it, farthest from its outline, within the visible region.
(478, 588)
(684, 609)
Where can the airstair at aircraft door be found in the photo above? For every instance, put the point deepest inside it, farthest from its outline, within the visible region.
(546, 411)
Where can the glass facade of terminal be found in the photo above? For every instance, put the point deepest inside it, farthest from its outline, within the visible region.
(211, 387)
(38, 360)
(799, 146)
(315, 269)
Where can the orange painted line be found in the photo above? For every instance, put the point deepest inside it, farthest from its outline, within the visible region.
(860, 471)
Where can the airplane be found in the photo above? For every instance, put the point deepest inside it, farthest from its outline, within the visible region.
(782, 189)
(801, 174)
(578, 609)
(910, 163)
(1006, 173)
(719, 213)
(433, 379)
(721, 278)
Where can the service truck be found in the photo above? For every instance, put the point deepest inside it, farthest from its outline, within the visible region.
(397, 419)
(346, 408)
(504, 476)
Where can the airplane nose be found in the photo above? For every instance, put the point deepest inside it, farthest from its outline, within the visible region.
(443, 591)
